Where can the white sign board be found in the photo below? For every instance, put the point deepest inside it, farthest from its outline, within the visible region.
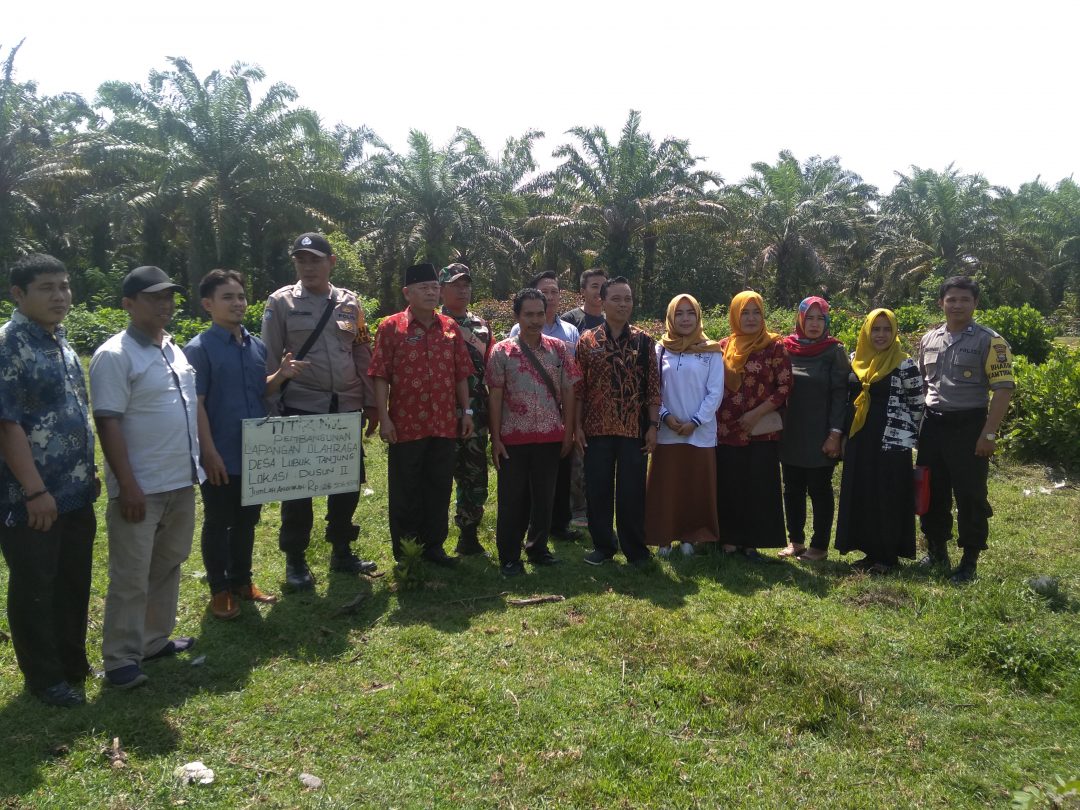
(287, 457)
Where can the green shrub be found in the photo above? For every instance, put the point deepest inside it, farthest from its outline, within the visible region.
(916, 320)
(87, 329)
(1044, 420)
(184, 329)
(253, 317)
(1027, 332)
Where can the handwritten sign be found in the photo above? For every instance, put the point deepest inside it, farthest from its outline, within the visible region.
(287, 457)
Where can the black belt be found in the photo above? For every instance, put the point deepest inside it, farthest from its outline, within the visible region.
(956, 417)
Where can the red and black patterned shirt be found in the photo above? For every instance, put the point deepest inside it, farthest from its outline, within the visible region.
(619, 380)
(766, 377)
(423, 366)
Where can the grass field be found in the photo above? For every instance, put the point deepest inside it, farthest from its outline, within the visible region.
(702, 682)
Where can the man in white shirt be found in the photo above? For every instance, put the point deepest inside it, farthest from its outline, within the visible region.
(145, 409)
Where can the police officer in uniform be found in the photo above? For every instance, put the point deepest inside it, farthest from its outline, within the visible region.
(471, 466)
(336, 381)
(964, 365)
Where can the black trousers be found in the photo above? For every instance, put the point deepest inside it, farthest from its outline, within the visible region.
(420, 475)
(615, 469)
(228, 535)
(560, 505)
(297, 518)
(817, 483)
(49, 597)
(525, 490)
(947, 447)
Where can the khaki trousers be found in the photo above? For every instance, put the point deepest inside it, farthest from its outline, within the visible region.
(144, 575)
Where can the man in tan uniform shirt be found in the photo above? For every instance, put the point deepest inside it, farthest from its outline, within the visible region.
(335, 381)
(968, 381)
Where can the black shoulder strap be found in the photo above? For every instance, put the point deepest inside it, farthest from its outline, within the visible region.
(532, 358)
(330, 305)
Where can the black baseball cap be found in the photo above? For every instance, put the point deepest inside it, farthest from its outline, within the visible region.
(147, 279)
(314, 243)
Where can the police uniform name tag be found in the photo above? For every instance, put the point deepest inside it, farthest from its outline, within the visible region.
(289, 457)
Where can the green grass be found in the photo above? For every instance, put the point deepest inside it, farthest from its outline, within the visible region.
(704, 682)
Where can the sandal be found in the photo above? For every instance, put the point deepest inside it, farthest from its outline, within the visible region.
(813, 555)
(792, 550)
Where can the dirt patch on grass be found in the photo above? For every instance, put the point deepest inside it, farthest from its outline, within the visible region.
(889, 598)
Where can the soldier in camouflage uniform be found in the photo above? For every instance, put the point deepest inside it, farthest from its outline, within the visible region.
(471, 468)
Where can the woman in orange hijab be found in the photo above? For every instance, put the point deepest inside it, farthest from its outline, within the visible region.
(757, 379)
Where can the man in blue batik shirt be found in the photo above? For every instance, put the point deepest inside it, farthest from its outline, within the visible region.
(48, 484)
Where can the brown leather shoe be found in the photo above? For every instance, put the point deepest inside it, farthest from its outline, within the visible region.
(251, 593)
(224, 605)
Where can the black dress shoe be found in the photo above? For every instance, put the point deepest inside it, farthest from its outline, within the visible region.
(568, 535)
(62, 695)
(512, 569)
(298, 576)
(438, 556)
(544, 557)
(965, 572)
(349, 563)
(473, 549)
(931, 560)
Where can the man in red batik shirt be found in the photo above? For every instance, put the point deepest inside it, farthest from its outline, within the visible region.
(421, 368)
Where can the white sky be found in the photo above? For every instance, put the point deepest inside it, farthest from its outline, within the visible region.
(990, 86)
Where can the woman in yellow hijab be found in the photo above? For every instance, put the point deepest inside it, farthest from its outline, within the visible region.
(680, 503)
(877, 496)
(757, 380)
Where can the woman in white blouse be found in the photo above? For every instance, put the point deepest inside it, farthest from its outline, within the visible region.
(680, 502)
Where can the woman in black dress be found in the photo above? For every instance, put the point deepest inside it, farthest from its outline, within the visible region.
(877, 509)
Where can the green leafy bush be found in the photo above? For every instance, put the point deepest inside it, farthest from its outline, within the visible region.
(87, 329)
(1044, 421)
(184, 329)
(1027, 332)
(253, 317)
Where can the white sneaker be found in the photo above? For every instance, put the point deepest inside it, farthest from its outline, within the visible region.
(663, 551)
(688, 549)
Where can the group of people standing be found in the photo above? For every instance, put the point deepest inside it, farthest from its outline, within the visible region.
(782, 411)
(570, 409)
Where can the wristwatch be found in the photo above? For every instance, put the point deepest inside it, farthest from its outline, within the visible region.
(468, 412)
(990, 437)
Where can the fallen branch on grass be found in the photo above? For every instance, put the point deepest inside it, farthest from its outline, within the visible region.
(536, 600)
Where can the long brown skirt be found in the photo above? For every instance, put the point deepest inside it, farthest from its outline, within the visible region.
(680, 498)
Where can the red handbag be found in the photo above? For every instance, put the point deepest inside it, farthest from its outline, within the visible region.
(921, 475)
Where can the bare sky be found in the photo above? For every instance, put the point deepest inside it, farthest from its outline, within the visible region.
(990, 86)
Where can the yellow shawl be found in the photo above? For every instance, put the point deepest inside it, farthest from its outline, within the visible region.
(870, 365)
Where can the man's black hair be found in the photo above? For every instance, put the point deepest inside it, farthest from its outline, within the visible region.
(610, 281)
(29, 267)
(215, 278)
(534, 282)
(960, 283)
(588, 274)
(528, 294)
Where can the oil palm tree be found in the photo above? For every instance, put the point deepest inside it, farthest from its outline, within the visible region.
(622, 198)
(932, 225)
(233, 169)
(800, 221)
